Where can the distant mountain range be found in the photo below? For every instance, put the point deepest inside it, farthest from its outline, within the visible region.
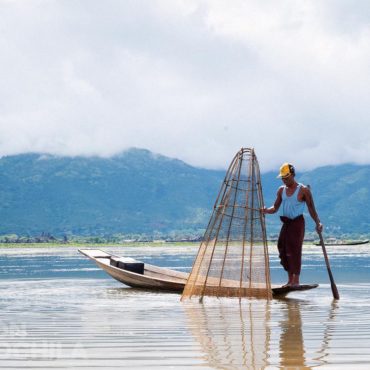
(138, 192)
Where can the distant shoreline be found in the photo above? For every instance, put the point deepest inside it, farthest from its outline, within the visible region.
(271, 243)
(95, 245)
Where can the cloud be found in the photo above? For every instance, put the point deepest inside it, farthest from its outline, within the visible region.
(190, 79)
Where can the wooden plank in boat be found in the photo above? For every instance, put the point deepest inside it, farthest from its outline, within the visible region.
(287, 289)
(95, 253)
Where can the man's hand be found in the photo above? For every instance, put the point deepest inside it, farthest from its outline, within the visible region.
(268, 210)
(319, 227)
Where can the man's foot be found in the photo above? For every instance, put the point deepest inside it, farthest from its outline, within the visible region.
(290, 285)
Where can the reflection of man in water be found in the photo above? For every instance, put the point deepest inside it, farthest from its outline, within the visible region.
(292, 198)
(292, 354)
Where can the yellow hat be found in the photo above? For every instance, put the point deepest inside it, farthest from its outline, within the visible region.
(286, 169)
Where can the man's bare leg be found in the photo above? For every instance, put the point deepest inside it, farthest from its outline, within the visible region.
(295, 280)
(290, 280)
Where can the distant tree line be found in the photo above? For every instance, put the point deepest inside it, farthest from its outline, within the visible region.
(44, 237)
(47, 237)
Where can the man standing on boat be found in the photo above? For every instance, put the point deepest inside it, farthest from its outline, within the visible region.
(292, 197)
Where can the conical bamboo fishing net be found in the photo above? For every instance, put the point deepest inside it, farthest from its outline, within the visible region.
(232, 260)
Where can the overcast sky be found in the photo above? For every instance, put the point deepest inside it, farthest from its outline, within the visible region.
(195, 80)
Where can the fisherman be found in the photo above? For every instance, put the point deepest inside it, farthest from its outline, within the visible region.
(292, 196)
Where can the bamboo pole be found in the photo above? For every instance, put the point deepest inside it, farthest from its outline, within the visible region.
(231, 218)
(332, 282)
(226, 199)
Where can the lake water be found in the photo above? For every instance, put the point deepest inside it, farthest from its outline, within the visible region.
(59, 310)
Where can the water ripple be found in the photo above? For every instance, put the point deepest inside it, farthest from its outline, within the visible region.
(67, 317)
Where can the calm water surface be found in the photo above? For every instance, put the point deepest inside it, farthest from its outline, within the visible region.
(58, 310)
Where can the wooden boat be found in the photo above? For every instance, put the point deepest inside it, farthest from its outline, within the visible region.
(154, 277)
(333, 241)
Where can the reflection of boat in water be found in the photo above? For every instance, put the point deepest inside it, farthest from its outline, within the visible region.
(334, 241)
(137, 274)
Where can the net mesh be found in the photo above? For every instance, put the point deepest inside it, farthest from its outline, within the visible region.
(232, 260)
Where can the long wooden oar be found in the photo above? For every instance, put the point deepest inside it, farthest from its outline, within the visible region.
(333, 286)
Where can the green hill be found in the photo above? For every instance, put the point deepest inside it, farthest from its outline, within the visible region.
(138, 192)
(342, 197)
(135, 192)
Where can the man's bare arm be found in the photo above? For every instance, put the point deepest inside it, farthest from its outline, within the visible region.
(277, 203)
(311, 208)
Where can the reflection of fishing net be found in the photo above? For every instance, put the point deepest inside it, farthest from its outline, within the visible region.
(232, 260)
(232, 336)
